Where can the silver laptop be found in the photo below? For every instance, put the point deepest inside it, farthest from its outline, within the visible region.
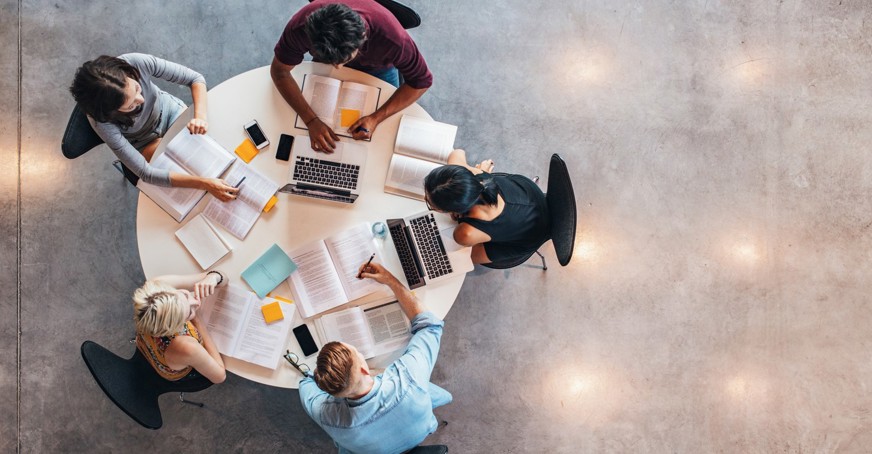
(334, 176)
(427, 250)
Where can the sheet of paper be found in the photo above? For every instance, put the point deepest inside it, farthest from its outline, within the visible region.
(389, 327)
(238, 216)
(268, 271)
(425, 139)
(355, 97)
(349, 249)
(315, 285)
(263, 343)
(224, 312)
(322, 93)
(203, 241)
(406, 175)
(349, 326)
(199, 153)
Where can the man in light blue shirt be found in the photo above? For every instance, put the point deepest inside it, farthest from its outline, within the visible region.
(387, 413)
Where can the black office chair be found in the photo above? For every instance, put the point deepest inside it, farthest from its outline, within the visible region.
(133, 385)
(407, 17)
(431, 449)
(563, 217)
(80, 138)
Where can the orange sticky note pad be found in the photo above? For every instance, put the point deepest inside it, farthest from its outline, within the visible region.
(272, 312)
(270, 203)
(348, 117)
(246, 150)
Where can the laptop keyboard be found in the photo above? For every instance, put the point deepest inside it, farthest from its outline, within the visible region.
(326, 173)
(430, 247)
(404, 251)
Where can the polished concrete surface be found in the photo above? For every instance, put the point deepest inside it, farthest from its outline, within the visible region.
(717, 301)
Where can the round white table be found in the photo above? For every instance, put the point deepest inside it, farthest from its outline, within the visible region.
(295, 220)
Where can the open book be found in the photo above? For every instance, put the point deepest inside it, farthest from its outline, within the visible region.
(326, 276)
(235, 322)
(375, 331)
(203, 241)
(238, 216)
(190, 154)
(338, 104)
(422, 145)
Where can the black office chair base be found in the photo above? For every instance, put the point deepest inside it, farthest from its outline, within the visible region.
(190, 402)
(544, 266)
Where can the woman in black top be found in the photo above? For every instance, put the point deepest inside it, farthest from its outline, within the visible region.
(502, 216)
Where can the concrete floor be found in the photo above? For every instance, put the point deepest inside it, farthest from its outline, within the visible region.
(718, 300)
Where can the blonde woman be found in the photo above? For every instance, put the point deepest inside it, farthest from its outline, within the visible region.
(168, 333)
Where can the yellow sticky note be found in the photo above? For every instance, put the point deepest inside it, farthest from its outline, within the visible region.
(246, 150)
(348, 117)
(272, 312)
(270, 203)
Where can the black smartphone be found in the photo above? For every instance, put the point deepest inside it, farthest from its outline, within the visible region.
(256, 134)
(304, 338)
(284, 150)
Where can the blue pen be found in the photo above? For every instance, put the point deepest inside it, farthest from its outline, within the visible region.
(361, 128)
(240, 183)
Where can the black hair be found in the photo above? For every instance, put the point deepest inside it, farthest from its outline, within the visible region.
(456, 189)
(98, 88)
(335, 32)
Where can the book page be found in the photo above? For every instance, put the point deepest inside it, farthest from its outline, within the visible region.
(321, 93)
(238, 216)
(389, 327)
(355, 101)
(315, 284)
(349, 249)
(349, 326)
(199, 154)
(202, 241)
(224, 312)
(257, 188)
(406, 176)
(425, 139)
(178, 202)
(261, 343)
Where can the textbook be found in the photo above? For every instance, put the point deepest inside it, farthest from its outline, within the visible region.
(239, 215)
(190, 154)
(203, 241)
(422, 145)
(235, 321)
(326, 275)
(268, 271)
(374, 331)
(338, 104)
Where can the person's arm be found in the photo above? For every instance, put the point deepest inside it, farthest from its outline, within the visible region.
(205, 358)
(321, 136)
(202, 284)
(215, 186)
(467, 235)
(408, 301)
(199, 124)
(311, 396)
(458, 158)
(402, 98)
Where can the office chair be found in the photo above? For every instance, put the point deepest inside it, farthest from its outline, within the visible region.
(563, 217)
(133, 385)
(431, 449)
(407, 17)
(80, 138)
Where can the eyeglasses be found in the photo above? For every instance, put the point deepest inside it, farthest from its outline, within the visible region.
(295, 361)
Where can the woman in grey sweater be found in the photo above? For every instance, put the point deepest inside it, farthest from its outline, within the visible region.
(131, 114)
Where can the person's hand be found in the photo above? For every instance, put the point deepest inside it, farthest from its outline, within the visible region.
(323, 138)
(198, 126)
(363, 128)
(206, 286)
(220, 189)
(487, 165)
(376, 272)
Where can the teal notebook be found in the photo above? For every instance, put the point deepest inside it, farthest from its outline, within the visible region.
(267, 272)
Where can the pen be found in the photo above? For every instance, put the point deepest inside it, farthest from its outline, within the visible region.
(240, 183)
(361, 128)
(360, 274)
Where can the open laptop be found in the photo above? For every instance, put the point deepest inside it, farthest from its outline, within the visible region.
(427, 250)
(334, 176)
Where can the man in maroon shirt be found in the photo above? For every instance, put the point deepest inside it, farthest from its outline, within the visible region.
(360, 34)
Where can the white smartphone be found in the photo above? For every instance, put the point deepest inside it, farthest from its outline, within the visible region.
(256, 134)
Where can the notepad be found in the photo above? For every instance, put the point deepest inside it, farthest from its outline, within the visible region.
(203, 241)
(272, 312)
(247, 150)
(268, 271)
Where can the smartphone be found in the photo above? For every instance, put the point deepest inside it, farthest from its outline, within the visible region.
(304, 338)
(284, 151)
(256, 134)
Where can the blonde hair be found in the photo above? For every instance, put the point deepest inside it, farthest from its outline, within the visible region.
(157, 311)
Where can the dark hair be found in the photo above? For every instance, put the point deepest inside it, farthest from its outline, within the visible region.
(456, 189)
(98, 88)
(333, 370)
(335, 32)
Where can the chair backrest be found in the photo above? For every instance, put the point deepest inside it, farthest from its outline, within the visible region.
(132, 384)
(407, 17)
(79, 137)
(561, 208)
(432, 449)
